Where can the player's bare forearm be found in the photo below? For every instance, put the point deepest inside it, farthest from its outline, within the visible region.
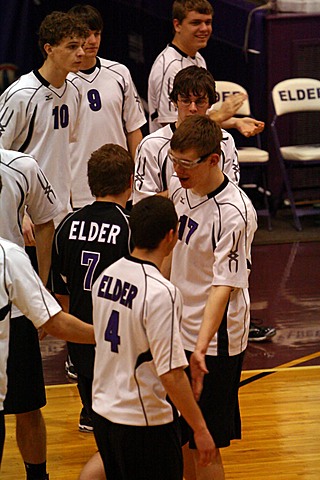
(247, 126)
(213, 314)
(64, 301)
(28, 231)
(44, 236)
(178, 388)
(67, 327)
(133, 140)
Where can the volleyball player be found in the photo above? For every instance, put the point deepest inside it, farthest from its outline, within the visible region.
(192, 23)
(39, 111)
(140, 359)
(21, 287)
(85, 243)
(193, 92)
(26, 188)
(211, 264)
(110, 108)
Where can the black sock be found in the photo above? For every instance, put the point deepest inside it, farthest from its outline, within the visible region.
(36, 471)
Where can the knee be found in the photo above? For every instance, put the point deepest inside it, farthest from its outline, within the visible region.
(29, 419)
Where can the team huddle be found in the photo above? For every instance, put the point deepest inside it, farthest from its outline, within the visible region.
(143, 251)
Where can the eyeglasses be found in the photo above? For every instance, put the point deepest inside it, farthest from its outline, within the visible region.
(188, 164)
(199, 102)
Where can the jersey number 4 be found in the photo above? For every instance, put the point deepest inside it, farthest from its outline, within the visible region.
(111, 333)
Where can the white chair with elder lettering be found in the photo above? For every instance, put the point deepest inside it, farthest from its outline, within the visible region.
(253, 160)
(291, 97)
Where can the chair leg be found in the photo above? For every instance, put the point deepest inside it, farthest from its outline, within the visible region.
(296, 218)
(265, 196)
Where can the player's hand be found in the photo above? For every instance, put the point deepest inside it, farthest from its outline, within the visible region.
(28, 231)
(228, 108)
(198, 370)
(205, 446)
(232, 104)
(249, 126)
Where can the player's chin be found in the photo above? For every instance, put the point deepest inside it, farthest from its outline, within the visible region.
(75, 68)
(185, 183)
(202, 41)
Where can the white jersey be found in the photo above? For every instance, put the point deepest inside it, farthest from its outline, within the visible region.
(110, 108)
(168, 63)
(136, 316)
(214, 248)
(39, 119)
(24, 185)
(153, 168)
(19, 286)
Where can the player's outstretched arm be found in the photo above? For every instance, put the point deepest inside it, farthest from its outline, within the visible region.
(228, 108)
(67, 327)
(247, 126)
(178, 388)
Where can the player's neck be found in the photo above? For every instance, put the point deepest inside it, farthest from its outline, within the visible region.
(154, 256)
(120, 199)
(88, 62)
(211, 183)
(183, 47)
(52, 74)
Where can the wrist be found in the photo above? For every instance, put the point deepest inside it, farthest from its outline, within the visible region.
(200, 349)
(201, 429)
(216, 116)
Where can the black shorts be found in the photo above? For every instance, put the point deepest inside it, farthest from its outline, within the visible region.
(139, 453)
(26, 391)
(2, 434)
(219, 400)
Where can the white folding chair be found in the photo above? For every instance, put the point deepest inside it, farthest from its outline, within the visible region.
(252, 159)
(289, 97)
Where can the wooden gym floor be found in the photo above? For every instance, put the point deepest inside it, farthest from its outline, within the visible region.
(279, 395)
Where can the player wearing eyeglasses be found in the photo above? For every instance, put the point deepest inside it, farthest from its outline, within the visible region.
(193, 93)
(211, 263)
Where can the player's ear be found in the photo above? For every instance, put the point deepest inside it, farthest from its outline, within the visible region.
(47, 48)
(214, 159)
(176, 25)
(172, 237)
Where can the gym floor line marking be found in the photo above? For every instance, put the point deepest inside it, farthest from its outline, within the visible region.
(256, 376)
(282, 367)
